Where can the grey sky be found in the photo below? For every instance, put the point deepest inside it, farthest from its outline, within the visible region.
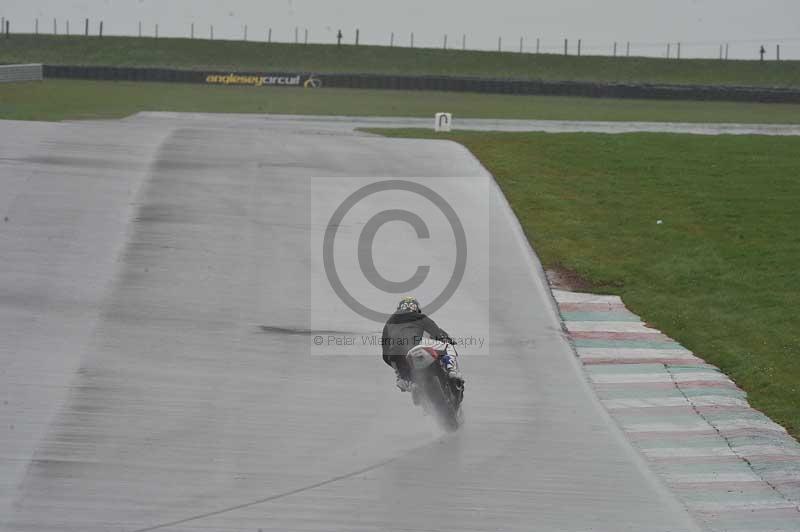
(701, 25)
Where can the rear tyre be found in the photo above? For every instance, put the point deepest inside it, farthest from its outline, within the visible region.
(448, 404)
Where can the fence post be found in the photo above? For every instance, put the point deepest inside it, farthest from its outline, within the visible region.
(37, 26)
(445, 41)
(391, 40)
(305, 38)
(156, 31)
(726, 51)
(245, 32)
(211, 32)
(87, 28)
(269, 35)
(412, 39)
(55, 27)
(192, 32)
(464, 41)
(101, 29)
(628, 49)
(668, 45)
(140, 28)
(537, 45)
(296, 38)
(615, 49)
(778, 52)
(520, 45)
(566, 46)
(67, 27)
(358, 34)
(579, 47)
(679, 50)
(8, 29)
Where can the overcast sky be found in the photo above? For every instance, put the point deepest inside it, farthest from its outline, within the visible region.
(701, 25)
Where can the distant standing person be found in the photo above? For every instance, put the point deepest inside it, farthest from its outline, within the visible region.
(763, 51)
(339, 39)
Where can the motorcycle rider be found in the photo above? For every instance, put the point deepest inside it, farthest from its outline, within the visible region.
(405, 329)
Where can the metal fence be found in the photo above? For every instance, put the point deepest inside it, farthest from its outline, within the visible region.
(766, 49)
(33, 72)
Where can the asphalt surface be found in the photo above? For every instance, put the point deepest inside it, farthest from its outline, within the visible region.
(157, 306)
(347, 123)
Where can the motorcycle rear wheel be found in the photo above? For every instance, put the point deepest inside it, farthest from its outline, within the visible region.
(448, 404)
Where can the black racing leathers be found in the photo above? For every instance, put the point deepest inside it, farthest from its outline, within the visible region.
(404, 330)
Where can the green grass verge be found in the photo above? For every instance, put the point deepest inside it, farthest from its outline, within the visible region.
(239, 55)
(719, 275)
(67, 99)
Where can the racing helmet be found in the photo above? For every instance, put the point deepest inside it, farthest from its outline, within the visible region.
(409, 304)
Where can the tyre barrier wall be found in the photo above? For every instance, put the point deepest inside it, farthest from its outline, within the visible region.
(431, 83)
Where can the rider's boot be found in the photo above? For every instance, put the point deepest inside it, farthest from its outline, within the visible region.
(403, 384)
(450, 365)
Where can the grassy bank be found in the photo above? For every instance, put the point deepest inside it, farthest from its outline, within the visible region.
(66, 99)
(718, 275)
(239, 55)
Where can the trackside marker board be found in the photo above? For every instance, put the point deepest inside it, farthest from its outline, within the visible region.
(443, 122)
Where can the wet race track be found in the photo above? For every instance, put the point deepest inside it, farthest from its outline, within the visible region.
(161, 289)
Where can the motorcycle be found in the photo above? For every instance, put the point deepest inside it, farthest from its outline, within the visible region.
(432, 388)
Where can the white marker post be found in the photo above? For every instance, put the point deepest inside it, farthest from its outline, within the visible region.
(443, 122)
